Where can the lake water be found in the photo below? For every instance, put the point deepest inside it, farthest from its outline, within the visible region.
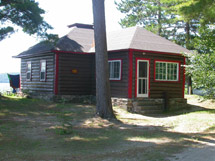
(5, 87)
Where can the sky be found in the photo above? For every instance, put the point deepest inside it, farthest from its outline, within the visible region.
(59, 14)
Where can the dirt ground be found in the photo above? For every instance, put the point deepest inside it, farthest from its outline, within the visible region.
(204, 150)
(37, 130)
(205, 153)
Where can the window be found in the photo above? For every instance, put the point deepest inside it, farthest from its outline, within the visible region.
(42, 70)
(115, 69)
(28, 71)
(166, 71)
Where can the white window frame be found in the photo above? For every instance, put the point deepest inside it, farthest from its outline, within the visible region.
(112, 70)
(41, 62)
(166, 74)
(146, 78)
(28, 71)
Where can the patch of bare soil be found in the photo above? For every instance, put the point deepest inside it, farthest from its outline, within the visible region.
(75, 133)
(200, 102)
(35, 126)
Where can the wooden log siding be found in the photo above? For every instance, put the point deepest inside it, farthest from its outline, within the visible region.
(35, 84)
(173, 89)
(79, 83)
(119, 88)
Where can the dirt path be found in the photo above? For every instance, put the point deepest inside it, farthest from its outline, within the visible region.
(205, 153)
(205, 149)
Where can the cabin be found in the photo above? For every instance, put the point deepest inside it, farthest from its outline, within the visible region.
(146, 71)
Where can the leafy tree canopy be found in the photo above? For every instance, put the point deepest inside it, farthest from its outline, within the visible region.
(161, 17)
(151, 14)
(204, 43)
(26, 14)
(202, 67)
(197, 9)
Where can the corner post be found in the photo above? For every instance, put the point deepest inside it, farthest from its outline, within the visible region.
(56, 73)
(130, 73)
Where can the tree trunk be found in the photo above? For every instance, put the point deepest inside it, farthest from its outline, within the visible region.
(103, 96)
(189, 86)
(189, 80)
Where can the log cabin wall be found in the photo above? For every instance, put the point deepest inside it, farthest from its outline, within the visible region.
(84, 81)
(119, 88)
(173, 89)
(35, 85)
(75, 74)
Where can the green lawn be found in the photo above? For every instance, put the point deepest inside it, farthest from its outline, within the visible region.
(33, 129)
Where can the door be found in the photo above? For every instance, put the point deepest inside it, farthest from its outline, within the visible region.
(142, 78)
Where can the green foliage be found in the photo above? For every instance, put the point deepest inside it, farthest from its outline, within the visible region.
(204, 42)
(151, 14)
(201, 65)
(23, 13)
(202, 69)
(198, 9)
(161, 17)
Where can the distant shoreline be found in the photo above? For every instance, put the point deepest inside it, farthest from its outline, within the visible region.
(4, 87)
(4, 77)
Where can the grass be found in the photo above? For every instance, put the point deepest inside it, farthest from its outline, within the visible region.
(40, 130)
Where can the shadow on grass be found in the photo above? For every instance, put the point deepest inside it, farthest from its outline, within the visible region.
(42, 132)
(192, 108)
(189, 109)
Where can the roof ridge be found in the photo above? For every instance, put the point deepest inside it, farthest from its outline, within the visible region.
(72, 30)
(161, 37)
(133, 36)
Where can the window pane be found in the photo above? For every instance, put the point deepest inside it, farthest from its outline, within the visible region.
(162, 71)
(42, 70)
(166, 71)
(143, 69)
(28, 75)
(140, 86)
(29, 67)
(114, 69)
(42, 75)
(28, 71)
(43, 66)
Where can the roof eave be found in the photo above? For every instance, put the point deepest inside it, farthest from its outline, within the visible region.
(33, 55)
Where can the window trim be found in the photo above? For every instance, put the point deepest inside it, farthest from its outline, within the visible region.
(28, 62)
(168, 61)
(42, 61)
(120, 70)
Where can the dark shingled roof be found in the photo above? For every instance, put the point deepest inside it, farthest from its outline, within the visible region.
(42, 47)
(81, 39)
(141, 39)
(77, 40)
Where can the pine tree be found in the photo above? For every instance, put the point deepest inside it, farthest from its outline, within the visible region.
(151, 14)
(103, 95)
(23, 13)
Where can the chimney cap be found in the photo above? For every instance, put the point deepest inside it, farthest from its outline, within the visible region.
(81, 25)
